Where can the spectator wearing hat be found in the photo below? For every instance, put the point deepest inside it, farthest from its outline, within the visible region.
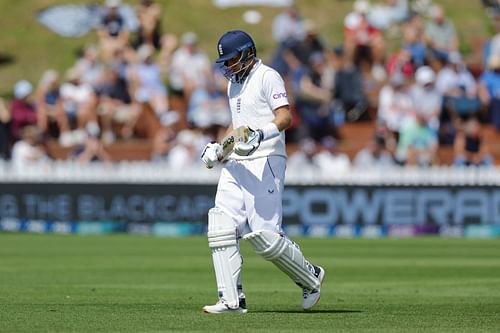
(426, 99)
(92, 150)
(190, 67)
(489, 89)
(113, 34)
(23, 111)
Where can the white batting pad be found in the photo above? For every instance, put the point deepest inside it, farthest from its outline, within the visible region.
(225, 254)
(286, 255)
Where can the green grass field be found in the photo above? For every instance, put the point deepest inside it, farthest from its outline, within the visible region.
(125, 283)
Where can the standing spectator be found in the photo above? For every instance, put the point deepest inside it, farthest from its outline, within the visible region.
(29, 149)
(440, 33)
(470, 148)
(50, 108)
(149, 15)
(113, 34)
(4, 131)
(22, 110)
(190, 67)
(146, 82)
(426, 99)
(489, 89)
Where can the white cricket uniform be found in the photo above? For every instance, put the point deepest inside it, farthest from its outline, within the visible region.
(250, 187)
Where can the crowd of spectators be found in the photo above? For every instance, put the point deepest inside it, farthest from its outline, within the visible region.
(398, 66)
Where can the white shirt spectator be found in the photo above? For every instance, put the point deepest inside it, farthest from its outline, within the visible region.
(448, 79)
(189, 65)
(395, 107)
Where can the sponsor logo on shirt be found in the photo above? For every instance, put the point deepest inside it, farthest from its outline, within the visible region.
(279, 95)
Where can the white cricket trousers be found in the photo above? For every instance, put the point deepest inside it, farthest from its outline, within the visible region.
(251, 191)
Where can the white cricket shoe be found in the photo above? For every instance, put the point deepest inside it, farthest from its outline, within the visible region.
(221, 307)
(311, 297)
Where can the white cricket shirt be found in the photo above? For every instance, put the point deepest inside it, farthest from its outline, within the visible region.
(252, 103)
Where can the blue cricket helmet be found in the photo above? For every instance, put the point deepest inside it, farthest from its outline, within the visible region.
(232, 43)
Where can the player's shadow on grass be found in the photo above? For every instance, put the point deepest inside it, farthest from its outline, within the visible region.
(306, 312)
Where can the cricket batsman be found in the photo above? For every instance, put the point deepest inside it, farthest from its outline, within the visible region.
(252, 178)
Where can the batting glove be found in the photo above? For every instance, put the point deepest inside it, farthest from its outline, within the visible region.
(211, 154)
(248, 148)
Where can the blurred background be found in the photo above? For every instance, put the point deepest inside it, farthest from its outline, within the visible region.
(106, 105)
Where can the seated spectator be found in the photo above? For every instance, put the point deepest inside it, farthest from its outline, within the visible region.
(440, 34)
(329, 159)
(90, 68)
(312, 100)
(374, 155)
(401, 62)
(190, 67)
(470, 148)
(186, 150)
(113, 34)
(417, 145)
(302, 160)
(50, 108)
(116, 107)
(79, 103)
(92, 149)
(426, 99)
(414, 43)
(288, 25)
(458, 87)
(23, 111)
(4, 131)
(362, 41)
(146, 83)
(164, 139)
(311, 43)
(208, 107)
(149, 15)
(489, 90)
(29, 149)
(349, 96)
(395, 104)
(390, 12)
(287, 29)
